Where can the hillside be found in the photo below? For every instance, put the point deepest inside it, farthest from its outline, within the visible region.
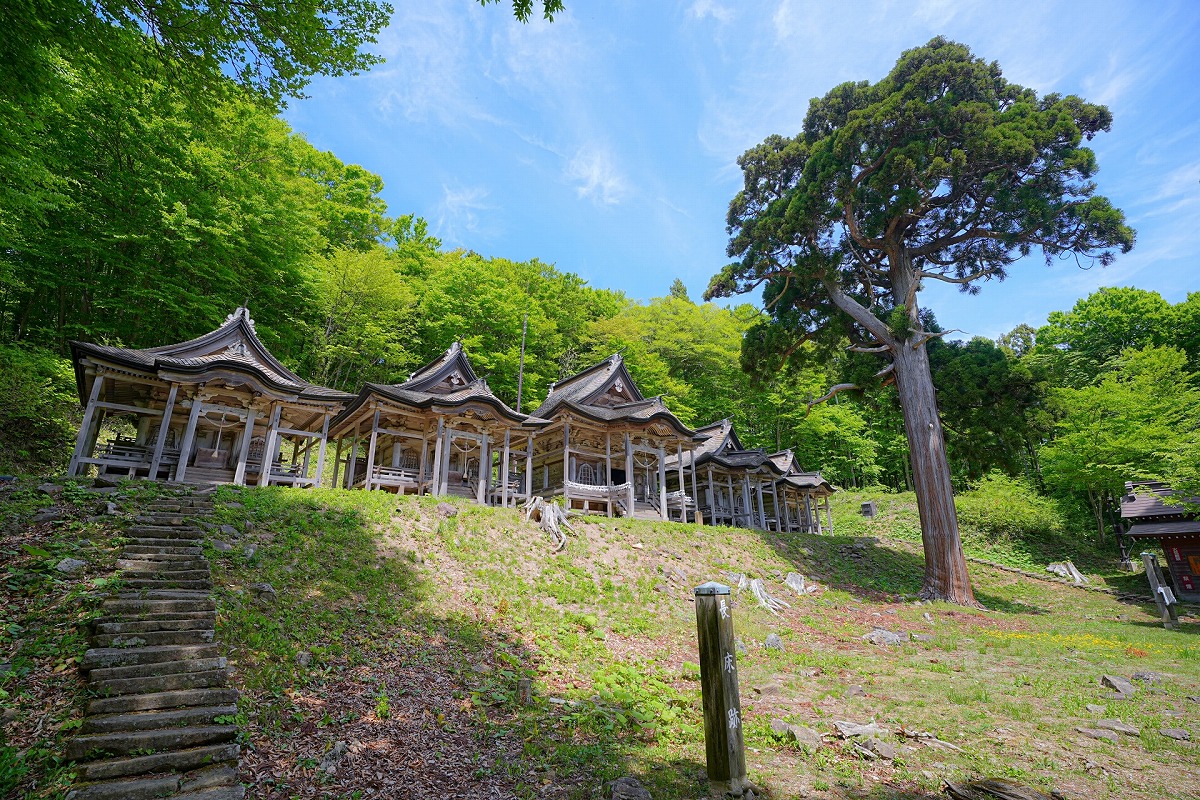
(389, 661)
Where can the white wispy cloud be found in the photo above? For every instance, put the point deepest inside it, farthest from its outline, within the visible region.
(458, 213)
(597, 176)
(709, 9)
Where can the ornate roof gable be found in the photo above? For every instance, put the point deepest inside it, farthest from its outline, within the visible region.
(448, 373)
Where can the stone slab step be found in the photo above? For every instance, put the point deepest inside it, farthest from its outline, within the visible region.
(164, 594)
(162, 518)
(166, 574)
(125, 743)
(132, 789)
(154, 720)
(174, 551)
(153, 638)
(137, 543)
(173, 682)
(144, 532)
(155, 583)
(162, 668)
(160, 762)
(162, 700)
(212, 777)
(160, 606)
(157, 564)
(143, 616)
(102, 657)
(217, 793)
(152, 625)
(163, 558)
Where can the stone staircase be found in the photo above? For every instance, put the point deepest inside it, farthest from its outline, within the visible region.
(158, 724)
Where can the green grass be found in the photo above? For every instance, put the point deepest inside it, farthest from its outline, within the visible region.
(605, 631)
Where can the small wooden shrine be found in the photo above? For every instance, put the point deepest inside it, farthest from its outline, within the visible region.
(1147, 516)
(749, 488)
(216, 409)
(440, 432)
(604, 446)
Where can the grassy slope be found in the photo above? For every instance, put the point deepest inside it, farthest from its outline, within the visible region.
(420, 628)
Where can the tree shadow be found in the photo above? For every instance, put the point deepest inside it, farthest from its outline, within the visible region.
(871, 573)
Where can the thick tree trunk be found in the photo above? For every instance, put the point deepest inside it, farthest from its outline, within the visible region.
(945, 565)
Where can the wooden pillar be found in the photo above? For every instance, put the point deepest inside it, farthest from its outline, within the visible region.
(608, 471)
(164, 428)
(369, 478)
(85, 430)
(712, 499)
(566, 463)
(787, 511)
(732, 509)
(746, 500)
(762, 511)
(724, 746)
(682, 488)
(337, 463)
(423, 464)
(504, 468)
(447, 446)
(662, 481)
(321, 449)
(239, 474)
(829, 515)
(529, 467)
(485, 471)
(695, 491)
(436, 481)
(629, 473)
(775, 506)
(189, 435)
(270, 445)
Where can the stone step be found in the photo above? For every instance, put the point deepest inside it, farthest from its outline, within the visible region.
(161, 550)
(105, 657)
(164, 594)
(160, 762)
(152, 684)
(166, 558)
(162, 668)
(162, 518)
(162, 700)
(134, 789)
(154, 720)
(162, 532)
(156, 583)
(153, 625)
(159, 606)
(216, 793)
(159, 573)
(213, 777)
(143, 616)
(159, 564)
(138, 542)
(125, 743)
(153, 638)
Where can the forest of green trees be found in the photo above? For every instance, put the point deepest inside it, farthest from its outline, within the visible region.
(141, 205)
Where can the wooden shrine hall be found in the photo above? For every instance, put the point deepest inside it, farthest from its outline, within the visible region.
(440, 432)
(752, 489)
(216, 409)
(604, 446)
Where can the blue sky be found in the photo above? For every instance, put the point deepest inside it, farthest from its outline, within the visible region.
(606, 142)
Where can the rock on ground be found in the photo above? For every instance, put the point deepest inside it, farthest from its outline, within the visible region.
(629, 789)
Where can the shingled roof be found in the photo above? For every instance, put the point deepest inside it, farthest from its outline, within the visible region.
(233, 346)
(447, 382)
(1147, 513)
(606, 392)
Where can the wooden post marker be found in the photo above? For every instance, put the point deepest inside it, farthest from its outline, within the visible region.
(723, 744)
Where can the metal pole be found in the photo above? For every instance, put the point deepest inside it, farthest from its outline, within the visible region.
(723, 744)
(521, 367)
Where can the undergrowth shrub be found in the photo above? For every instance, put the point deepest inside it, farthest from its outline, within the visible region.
(1006, 507)
(40, 412)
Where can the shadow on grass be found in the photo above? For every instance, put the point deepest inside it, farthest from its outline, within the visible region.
(425, 699)
(869, 572)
